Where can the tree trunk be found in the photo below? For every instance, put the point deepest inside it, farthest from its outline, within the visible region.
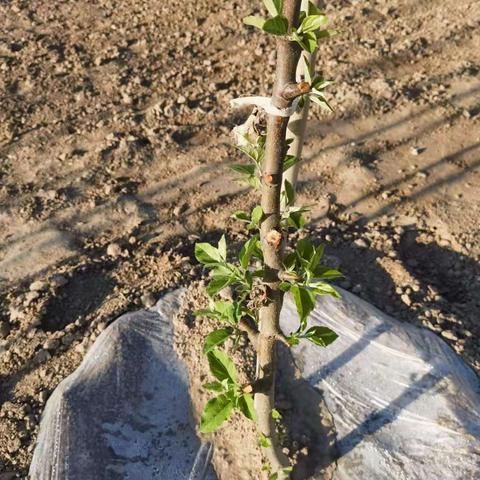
(272, 239)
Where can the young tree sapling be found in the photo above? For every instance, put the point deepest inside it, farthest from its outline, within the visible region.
(266, 269)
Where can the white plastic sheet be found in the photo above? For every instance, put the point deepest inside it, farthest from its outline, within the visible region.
(125, 412)
(405, 406)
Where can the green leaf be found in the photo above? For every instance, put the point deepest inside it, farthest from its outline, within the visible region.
(274, 7)
(257, 215)
(216, 411)
(214, 386)
(326, 34)
(296, 220)
(309, 42)
(274, 476)
(304, 301)
(289, 162)
(321, 336)
(289, 192)
(241, 216)
(243, 169)
(293, 340)
(264, 441)
(321, 101)
(312, 23)
(253, 21)
(245, 404)
(207, 254)
(305, 249)
(247, 251)
(316, 257)
(290, 261)
(222, 247)
(320, 84)
(216, 338)
(221, 366)
(217, 284)
(312, 9)
(206, 313)
(306, 69)
(276, 26)
(221, 270)
(225, 308)
(276, 415)
(327, 273)
(321, 288)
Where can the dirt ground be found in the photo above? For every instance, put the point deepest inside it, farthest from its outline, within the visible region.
(114, 147)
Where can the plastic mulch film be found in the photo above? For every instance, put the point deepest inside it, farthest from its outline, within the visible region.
(125, 412)
(405, 406)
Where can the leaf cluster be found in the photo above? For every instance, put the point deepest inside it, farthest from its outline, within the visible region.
(306, 278)
(309, 32)
(303, 276)
(231, 395)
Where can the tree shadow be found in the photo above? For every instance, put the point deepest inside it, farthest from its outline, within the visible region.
(433, 266)
(376, 420)
(311, 431)
(451, 281)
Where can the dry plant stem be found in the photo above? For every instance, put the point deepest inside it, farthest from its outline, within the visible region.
(297, 124)
(275, 149)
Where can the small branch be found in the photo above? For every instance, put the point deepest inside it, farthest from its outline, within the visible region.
(294, 90)
(280, 337)
(250, 330)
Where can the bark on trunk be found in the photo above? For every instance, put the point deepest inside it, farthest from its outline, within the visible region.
(272, 239)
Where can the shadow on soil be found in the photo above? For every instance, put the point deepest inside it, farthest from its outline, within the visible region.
(309, 423)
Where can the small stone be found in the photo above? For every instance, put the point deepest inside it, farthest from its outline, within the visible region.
(357, 288)
(67, 339)
(30, 297)
(51, 344)
(179, 209)
(148, 300)
(101, 326)
(42, 356)
(4, 329)
(43, 396)
(361, 243)
(406, 299)
(381, 87)
(114, 250)
(38, 286)
(58, 280)
(81, 348)
(449, 335)
(417, 150)
(181, 99)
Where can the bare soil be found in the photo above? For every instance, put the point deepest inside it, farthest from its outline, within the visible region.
(114, 148)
